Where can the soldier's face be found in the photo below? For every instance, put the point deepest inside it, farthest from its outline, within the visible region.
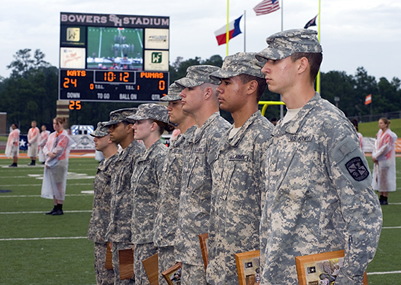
(280, 75)
(143, 128)
(191, 99)
(101, 143)
(175, 112)
(232, 93)
(118, 132)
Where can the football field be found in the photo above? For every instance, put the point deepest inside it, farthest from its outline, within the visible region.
(43, 249)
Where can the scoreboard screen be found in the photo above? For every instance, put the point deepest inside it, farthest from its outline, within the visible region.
(113, 57)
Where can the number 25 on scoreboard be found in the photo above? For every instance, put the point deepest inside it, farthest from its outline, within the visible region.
(75, 105)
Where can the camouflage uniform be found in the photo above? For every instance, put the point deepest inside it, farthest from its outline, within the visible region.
(145, 182)
(238, 182)
(100, 217)
(170, 188)
(237, 195)
(318, 196)
(119, 229)
(196, 186)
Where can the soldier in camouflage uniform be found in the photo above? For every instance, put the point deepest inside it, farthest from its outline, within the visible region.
(150, 122)
(319, 197)
(170, 185)
(237, 172)
(199, 98)
(119, 229)
(101, 202)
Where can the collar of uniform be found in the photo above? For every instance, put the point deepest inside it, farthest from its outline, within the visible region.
(293, 126)
(183, 137)
(198, 135)
(236, 139)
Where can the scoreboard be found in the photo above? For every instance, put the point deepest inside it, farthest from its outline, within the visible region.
(114, 58)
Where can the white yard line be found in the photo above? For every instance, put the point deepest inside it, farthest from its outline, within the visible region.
(384, 273)
(38, 196)
(44, 238)
(43, 212)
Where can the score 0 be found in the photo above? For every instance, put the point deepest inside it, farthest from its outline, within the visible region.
(75, 105)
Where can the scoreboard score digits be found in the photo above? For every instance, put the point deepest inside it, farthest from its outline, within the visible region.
(116, 58)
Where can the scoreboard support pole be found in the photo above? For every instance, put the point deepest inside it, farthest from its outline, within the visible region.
(63, 112)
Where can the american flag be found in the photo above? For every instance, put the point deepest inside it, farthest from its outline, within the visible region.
(266, 7)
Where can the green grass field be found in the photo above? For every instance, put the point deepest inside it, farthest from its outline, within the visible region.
(27, 257)
(40, 249)
(370, 129)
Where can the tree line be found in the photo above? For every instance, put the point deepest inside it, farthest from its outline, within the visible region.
(31, 91)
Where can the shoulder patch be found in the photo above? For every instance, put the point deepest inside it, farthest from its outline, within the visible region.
(357, 169)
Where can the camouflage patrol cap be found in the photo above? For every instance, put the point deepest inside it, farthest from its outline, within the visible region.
(286, 43)
(150, 111)
(100, 131)
(197, 75)
(120, 115)
(173, 93)
(239, 63)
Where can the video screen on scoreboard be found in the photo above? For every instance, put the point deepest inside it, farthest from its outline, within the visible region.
(114, 48)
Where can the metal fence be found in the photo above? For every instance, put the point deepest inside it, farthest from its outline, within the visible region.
(376, 117)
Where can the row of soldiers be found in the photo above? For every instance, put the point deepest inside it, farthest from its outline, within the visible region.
(299, 188)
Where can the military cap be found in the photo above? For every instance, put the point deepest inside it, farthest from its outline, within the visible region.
(100, 131)
(150, 111)
(197, 75)
(239, 63)
(286, 43)
(173, 93)
(120, 115)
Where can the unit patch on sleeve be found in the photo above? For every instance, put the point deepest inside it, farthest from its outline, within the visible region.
(357, 169)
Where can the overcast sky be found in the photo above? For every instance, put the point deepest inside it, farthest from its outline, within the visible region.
(354, 33)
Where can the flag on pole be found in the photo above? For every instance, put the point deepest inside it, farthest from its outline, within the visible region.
(311, 23)
(233, 28)
(266, 7)
(368, 99)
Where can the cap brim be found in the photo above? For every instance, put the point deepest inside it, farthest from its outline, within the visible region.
(187, 82)
(169, 98)
(110, 123)
(96, 135)
(271, 53)
(135, 118)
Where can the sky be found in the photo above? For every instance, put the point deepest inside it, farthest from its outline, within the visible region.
(354, 33)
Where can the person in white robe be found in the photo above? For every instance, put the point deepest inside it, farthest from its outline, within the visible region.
(33, 142)
(12, 147)
(44, 135)
(56, 151)
(383, 156)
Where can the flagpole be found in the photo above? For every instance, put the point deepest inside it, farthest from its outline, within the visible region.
(244, 30)
(318, 35)
(282, 29)
(228, 23)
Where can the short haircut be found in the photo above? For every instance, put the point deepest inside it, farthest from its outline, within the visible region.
(315, 59)
(245, 78)
(355, 123)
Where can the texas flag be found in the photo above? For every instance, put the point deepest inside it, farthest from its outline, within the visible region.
(368, 99)
(233, 28)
